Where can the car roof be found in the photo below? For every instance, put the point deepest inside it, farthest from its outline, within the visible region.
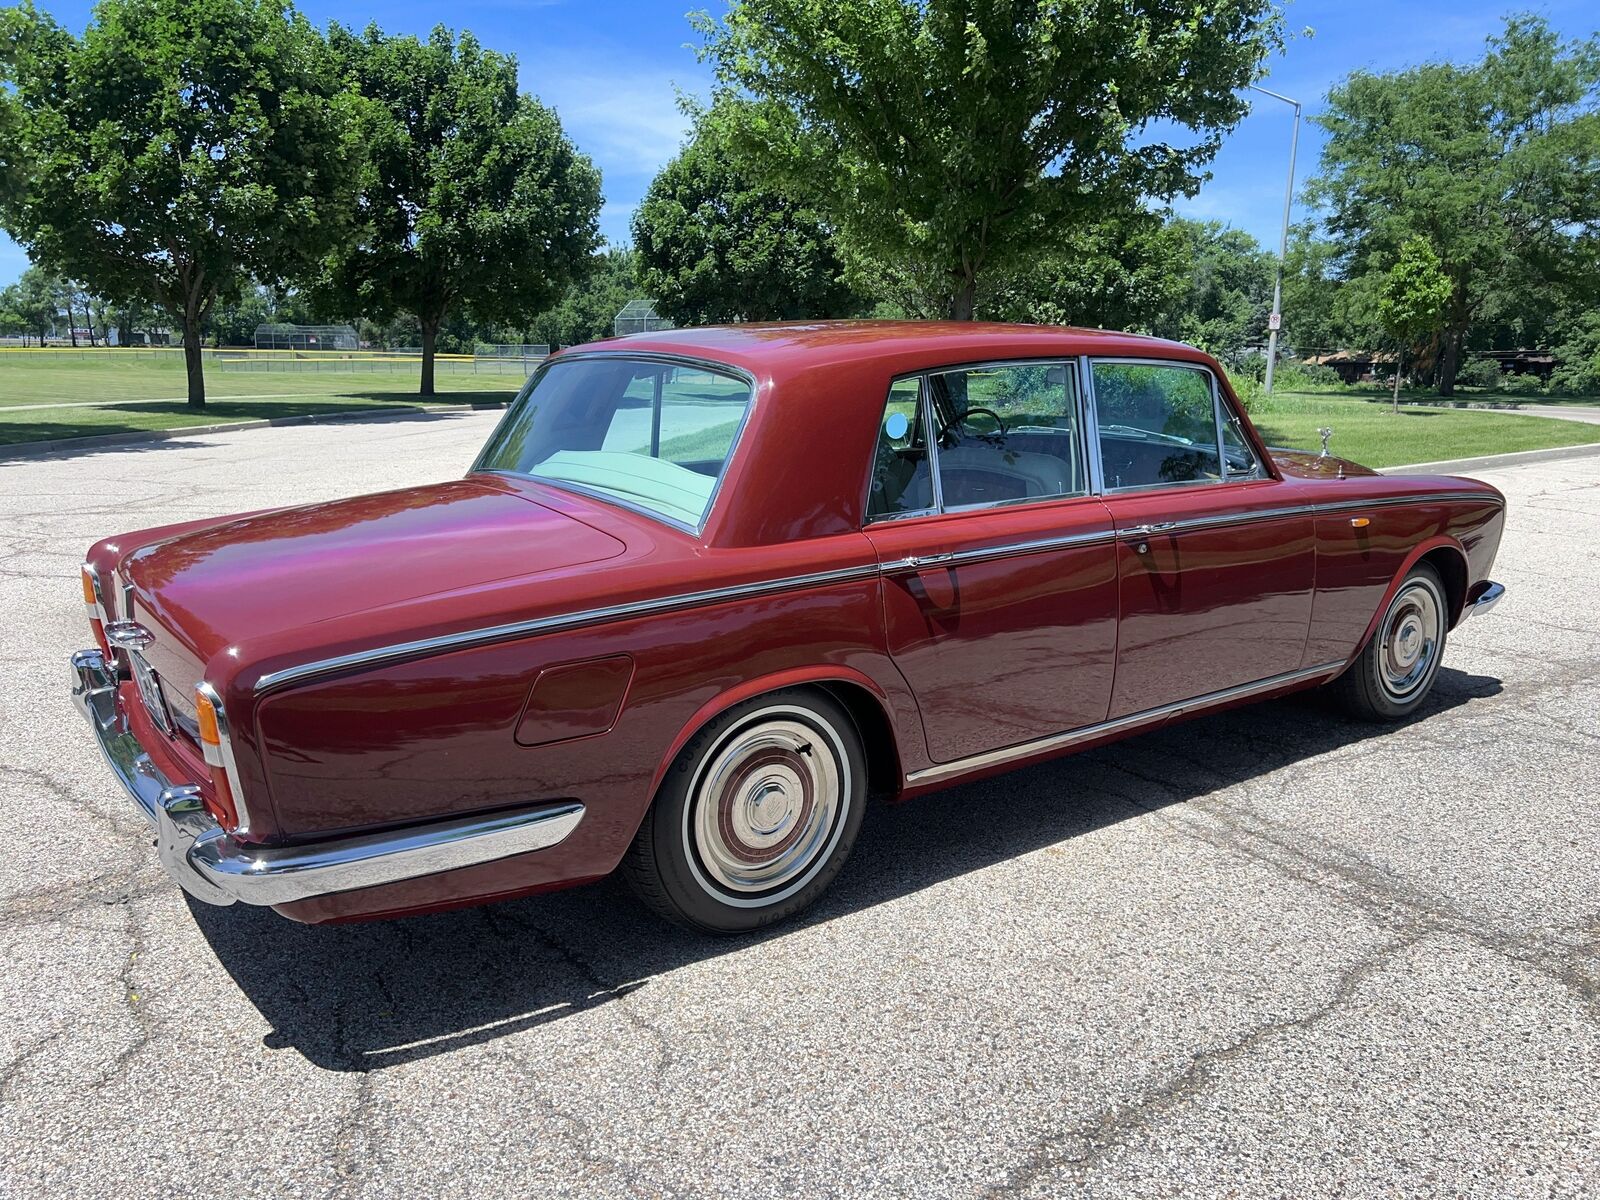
(770, 348)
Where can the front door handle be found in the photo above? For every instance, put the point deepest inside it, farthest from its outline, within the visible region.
(1146, 530)
(913, 561)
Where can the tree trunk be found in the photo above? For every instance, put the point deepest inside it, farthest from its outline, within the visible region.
(1399, 361)
(963, 304)
(192, 360)
(430, 336)
(72, 323)
(1450, 363)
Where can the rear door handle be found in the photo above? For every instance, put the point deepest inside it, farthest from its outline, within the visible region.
(1138, 531)
(914, 561)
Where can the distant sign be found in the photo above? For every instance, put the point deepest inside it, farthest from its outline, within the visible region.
(1275, 321)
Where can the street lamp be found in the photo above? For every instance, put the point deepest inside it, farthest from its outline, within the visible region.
(1276, 319)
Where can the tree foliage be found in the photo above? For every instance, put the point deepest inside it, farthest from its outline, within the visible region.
(176, 148)
(1223, 282)
(472, 198)
(591, 303)
(1412, 298)
(1495, 165)
(715, 243)
(962, 137)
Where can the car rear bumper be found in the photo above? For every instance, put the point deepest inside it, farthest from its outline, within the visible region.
(211, 865)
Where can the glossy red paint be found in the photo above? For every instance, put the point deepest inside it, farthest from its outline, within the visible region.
(1052, 616)
(1207, 608)
(1028, 640)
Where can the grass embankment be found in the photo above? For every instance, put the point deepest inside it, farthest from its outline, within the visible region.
(124, 393)
(1367, 430)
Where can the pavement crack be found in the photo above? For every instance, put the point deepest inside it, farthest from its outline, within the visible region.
(603, 989)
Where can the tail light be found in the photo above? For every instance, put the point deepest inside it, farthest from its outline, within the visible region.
(96, 606)
(223, 805)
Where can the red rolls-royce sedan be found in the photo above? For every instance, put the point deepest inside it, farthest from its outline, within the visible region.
(705, 592)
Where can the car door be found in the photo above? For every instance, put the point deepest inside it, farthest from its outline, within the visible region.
(1215, 570)
(998, 563)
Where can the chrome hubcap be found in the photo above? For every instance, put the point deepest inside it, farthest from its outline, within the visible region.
(1409, 641)
(767, 807)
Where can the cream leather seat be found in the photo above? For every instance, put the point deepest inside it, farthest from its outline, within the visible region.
(980, 472)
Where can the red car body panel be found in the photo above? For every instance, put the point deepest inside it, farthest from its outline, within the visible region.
(940, 664)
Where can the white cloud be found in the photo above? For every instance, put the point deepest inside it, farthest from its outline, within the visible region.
(625, 118)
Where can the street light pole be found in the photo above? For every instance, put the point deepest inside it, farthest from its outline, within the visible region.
(1283, 241)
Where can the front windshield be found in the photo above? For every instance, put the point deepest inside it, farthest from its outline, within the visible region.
(651, 434)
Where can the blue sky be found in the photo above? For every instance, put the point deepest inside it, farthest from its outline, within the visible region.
(611, 69)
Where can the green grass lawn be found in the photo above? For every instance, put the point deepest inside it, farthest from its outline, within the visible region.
(132, 394)
(1367, 431)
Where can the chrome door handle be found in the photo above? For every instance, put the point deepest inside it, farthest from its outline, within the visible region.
(1147, 530)
(926, 560)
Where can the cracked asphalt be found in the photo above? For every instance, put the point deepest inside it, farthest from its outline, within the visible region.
(1266, 953)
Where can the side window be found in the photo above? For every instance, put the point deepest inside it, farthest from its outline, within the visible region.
(901, 479)
(1006, 433)
(1157, 425)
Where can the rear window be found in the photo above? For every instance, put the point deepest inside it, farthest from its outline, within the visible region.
(651, 435)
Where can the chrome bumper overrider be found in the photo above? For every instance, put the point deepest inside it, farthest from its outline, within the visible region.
(212, 866)
(1492, 595)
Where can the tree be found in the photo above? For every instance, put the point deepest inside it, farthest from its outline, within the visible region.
(715, 244)
(1226, 288)
(1496, 165)
(177, 147)
(1412, 299)
(1118, 275)
(959, 138)
(590, 303)
(471, 198)
(36, 301)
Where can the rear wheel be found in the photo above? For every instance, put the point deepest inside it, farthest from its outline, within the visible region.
(1395, 670)
(756, 816)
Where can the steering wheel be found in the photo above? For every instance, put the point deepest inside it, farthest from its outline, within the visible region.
(988, 412)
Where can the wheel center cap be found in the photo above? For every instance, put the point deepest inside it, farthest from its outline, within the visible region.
(769, 809)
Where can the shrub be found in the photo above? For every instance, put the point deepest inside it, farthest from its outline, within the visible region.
(1480, 372)
(1306, 376)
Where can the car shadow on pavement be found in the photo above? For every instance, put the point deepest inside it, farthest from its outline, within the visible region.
(370, 996)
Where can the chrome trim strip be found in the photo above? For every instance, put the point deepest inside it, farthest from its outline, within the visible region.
(986, 553)
(273, 680)
(213, 866)
(1088, 407)
(225, 747)
(1296, 510)
(1060, 741)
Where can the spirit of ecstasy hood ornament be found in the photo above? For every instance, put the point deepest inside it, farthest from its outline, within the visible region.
(1326, 434)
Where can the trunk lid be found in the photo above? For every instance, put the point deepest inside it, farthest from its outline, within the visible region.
(298, 566)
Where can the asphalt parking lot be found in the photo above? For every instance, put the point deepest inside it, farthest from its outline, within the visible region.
(1262, 954)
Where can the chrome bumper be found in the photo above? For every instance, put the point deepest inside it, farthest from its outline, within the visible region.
(209, 864)
(1492, 595)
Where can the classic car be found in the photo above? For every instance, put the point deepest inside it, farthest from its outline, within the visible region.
(705, 592)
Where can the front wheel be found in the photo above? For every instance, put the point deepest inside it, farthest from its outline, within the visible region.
(755, 817)
(1395, 670)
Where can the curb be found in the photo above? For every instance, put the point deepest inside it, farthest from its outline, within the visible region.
(1491, 461)
(104, 440)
